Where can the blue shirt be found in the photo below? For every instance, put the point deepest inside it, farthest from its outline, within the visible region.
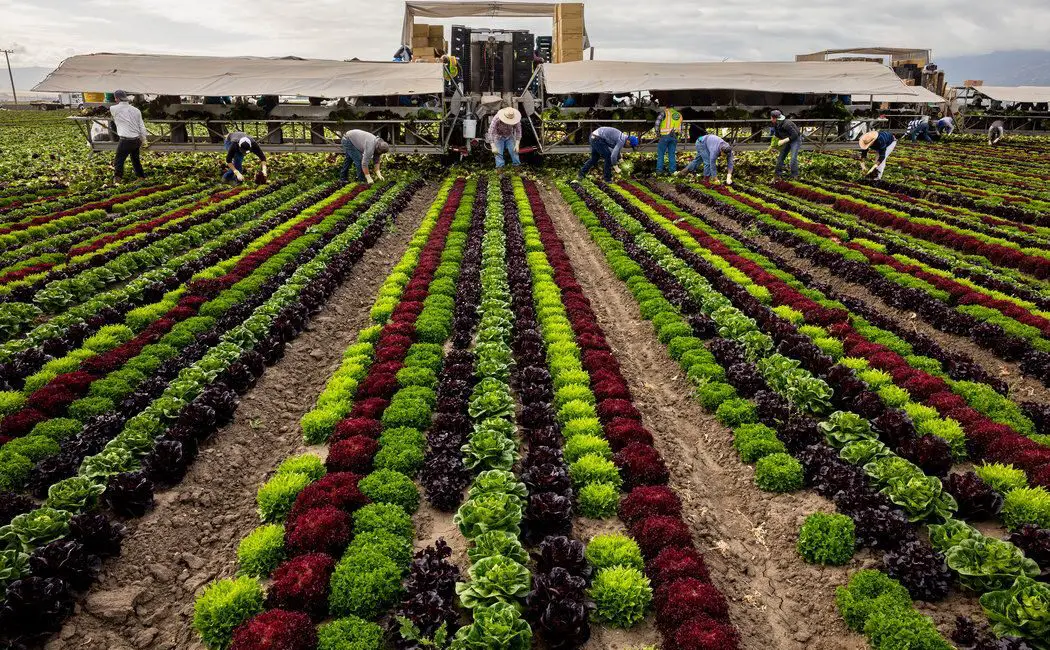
(615, 138)
(880, 145)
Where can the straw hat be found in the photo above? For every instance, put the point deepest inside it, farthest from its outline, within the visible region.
(509, 116)
(867, 139)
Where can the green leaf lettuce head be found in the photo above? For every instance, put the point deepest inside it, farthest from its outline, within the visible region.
(1021, 610)
(75, 494)
(621, 596)
(223, 606)
(494, 579)
(489, 512)
(498, 542)
(35, 528)
(496, 626)
(987, 564)
(921, 497)
(13, 565)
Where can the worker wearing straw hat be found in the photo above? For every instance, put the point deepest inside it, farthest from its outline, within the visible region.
(883, 143)
(505, 135)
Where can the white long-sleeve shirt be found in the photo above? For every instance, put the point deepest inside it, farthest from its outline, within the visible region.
(128, 120)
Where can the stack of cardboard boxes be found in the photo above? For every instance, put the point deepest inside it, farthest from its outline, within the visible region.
(428, 41)
(568, 32)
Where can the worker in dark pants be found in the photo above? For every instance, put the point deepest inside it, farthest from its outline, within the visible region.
(132, 133)
(919, 128)
(996, 132)
(363, 150)
(607, 145)
(790, 141)
(239, 144)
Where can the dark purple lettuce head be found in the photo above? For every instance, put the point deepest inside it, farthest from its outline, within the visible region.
(976, 499)
(564, 552)
(13, 504)
(35, 606)
(129, 494)
(920, 569)
(97, 533)
(68, 560)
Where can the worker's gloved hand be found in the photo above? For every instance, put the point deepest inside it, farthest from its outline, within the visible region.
(517, 145)
(729, 178)
(239, 176)
(265, 173)
(379, 175)
(368, 178)
(616, 170)
(495, 150)
(784, 141)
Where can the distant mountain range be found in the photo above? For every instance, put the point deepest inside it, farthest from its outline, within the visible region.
(1013, 68)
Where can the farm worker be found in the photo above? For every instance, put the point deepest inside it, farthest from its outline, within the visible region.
(946, 125)
(607, 145)
(450, 69)
(708, 148)
(996, 132)
(238, 144)
(668, 129)
(883, 142)
(364, 150)
(790, 141)
(132, 133)
(919, 127)
(505, 135)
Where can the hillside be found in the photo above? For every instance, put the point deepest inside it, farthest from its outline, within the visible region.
(1014, 68)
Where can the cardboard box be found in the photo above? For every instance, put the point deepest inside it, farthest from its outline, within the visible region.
(420, 31)
(421, 52)
(419, 42)
(568, 55)
(973, 83)
(437, 31)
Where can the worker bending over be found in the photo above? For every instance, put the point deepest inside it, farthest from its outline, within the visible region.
(132, 133)
(668, 129)
(945, 125)
(364, 150)
(505, 136)
(919, 128)
(996, 132)
(708, 148)
(607, 145)
(883, 143)
(790, 141)
(238, 144)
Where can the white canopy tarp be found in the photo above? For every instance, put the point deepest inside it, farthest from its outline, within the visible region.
(922, 96)
(468, 9)
(1026, 94)
(162, 74)
(816, 77)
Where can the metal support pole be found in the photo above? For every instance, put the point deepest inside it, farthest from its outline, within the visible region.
(11, 75)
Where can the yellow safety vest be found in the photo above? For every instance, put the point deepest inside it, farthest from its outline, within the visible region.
(451, 68)
(672, 122)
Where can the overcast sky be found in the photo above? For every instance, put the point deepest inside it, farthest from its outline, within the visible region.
(43, 32)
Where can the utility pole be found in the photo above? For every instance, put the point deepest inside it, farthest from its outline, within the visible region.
(10, 75)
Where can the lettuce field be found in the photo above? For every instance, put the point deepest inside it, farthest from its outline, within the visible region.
(469, 410)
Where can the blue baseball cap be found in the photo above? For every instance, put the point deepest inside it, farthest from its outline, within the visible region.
(633, 141)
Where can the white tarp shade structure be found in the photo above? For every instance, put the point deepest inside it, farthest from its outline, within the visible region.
(819, 77)
(467, 9)
(1026, 94)
(922, 96)
(161, 74)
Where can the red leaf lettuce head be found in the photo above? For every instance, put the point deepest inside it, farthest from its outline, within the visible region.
(276, 630)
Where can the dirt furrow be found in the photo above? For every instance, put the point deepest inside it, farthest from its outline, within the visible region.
(776, 599)
(144, 598)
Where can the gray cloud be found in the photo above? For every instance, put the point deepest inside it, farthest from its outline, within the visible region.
(46, 31)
